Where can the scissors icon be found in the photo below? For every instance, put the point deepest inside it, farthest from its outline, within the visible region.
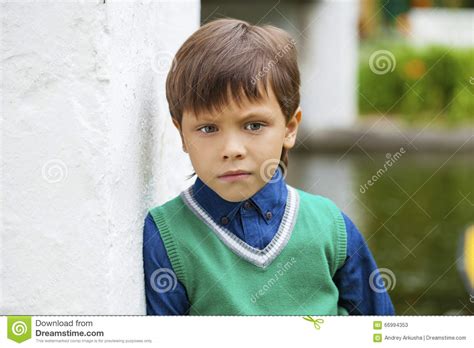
(316, 322)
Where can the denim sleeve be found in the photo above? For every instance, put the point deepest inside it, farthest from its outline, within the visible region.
(356, 294)
(165, 294)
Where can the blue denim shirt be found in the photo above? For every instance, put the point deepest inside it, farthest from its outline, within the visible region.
(255, 221)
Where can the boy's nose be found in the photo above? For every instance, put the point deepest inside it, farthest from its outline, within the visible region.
(233, 148)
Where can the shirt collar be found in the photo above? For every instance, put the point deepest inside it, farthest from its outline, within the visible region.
(270, 198)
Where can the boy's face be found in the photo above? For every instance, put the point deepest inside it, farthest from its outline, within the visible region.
(248, 138)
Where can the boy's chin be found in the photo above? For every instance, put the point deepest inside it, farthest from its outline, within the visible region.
(235, 194)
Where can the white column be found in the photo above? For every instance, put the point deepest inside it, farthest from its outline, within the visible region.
(88, 147)
(329, 65)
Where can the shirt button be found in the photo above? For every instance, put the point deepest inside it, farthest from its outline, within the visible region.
(224, 220)
(247, 205)
(268, 215)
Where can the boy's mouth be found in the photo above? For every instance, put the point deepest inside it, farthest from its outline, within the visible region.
(234, 175)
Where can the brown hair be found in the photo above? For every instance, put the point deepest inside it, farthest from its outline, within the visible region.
(233, 54)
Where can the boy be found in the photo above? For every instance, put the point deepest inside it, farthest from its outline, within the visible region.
(240, 241)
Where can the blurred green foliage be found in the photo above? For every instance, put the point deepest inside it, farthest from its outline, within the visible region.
(418, 84)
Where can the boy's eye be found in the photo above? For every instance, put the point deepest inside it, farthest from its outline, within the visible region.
(253, 124)
(206, 129)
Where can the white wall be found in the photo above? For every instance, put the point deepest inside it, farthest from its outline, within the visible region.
(84, 129)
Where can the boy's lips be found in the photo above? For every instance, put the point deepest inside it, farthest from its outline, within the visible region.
(234, 172)
(234, 175)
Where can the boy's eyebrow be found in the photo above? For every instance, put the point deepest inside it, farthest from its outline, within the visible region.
(256, 114)
(246, 116)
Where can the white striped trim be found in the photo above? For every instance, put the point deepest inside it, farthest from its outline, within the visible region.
(260, 258)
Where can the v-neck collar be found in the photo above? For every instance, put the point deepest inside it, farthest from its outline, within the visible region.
(261, 258)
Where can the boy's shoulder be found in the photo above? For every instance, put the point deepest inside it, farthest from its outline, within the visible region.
(322, 211)
(315, 198)
(317, 205)
(172, 203)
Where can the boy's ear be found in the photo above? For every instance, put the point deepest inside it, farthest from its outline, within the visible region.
(178, 127)
(292, 128)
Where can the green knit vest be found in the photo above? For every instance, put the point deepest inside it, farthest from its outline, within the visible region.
(223, 275)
